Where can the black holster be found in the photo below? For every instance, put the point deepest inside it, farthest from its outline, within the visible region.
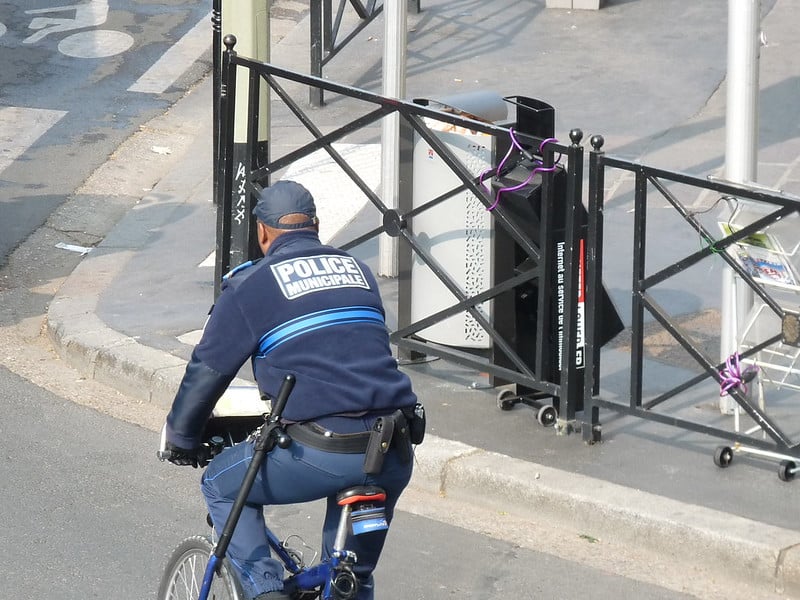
(388, 431)
(399, 430)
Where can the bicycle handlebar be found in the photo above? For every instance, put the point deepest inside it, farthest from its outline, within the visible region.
(208, 450)
(204, 453)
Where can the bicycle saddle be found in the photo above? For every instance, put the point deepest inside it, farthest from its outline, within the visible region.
(360, 493)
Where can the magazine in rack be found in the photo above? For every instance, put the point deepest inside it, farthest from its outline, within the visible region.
(762, 257)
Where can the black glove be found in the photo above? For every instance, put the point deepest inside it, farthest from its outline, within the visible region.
(181, 456)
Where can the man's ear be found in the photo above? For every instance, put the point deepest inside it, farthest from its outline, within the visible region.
(263, 236)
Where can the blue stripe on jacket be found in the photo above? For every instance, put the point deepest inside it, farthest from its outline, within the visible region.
(316, 320)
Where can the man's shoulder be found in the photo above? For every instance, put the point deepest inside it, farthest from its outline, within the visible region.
(242, 270)
(240, 274)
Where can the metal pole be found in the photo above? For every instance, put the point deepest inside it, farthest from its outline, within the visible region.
(394, 86)
(741, 123)
(248, 20)
(594, 291)
(315, 95)
(741, 151)
(227, 97)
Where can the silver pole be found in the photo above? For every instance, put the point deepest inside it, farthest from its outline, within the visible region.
(741, 123)
(394, 86)
(741, 150)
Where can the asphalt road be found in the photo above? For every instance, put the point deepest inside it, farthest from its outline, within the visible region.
(88, 512)
(76, 81)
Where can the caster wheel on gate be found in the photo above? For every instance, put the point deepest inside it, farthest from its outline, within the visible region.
(506, 400)
(786, 470)
(723, 456)
(547, 416)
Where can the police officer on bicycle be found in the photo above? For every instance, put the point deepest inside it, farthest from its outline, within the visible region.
(315, 312)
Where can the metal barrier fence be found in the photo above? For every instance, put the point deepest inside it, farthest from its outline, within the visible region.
(538, 373)
(574, 388)
(727, 248)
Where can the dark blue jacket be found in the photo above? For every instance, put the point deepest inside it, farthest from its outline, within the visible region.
(306, 309)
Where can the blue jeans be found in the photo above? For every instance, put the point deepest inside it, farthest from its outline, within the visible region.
(296, 474)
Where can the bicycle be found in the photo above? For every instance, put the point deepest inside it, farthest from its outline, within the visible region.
(198, 569)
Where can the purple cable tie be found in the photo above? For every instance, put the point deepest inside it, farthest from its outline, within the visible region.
(515, 144)
(732, 376)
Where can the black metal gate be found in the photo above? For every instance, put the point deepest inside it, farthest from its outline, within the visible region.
(724, 247)
(563, 384)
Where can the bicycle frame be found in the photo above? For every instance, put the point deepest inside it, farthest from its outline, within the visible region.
(301, 578)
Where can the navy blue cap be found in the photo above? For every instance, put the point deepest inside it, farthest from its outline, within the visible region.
(285, 198)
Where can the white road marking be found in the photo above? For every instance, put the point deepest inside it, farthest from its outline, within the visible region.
(20, 128)
(210, 260)
(176, 60)
(92, 14)
(97, 43)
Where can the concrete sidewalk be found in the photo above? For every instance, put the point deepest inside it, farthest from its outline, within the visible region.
(129, 313)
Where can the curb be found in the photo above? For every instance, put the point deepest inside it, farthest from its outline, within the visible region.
(571, 502)
(104, 355)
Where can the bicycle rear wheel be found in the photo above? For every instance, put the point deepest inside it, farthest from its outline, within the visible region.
(183, 576)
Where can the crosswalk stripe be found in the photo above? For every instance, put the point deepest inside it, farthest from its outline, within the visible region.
(174, 62)
(20, 127)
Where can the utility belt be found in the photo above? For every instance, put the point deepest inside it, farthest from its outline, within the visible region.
(399, 430)
(315, 436)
